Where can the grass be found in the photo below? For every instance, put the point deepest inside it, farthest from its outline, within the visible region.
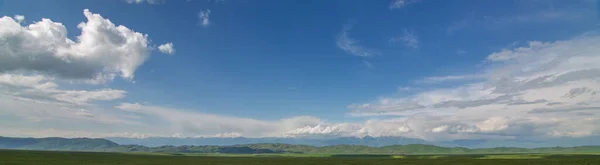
(22, 157)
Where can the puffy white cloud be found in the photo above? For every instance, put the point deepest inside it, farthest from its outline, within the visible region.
(204, 16)
(350, 45)
(101, 52)
(167, 48)
(530, 91)
(19, 18)
(409, 38)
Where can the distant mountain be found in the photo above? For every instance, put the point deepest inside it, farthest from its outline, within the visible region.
(227, 141)
(87, 144)
(56, 143)
(366, 141)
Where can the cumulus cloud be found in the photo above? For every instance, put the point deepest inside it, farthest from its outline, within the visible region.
(204, 16)
(101, 52)
(518, 94)
(409, 38)
(167, 48)
(350, 45)
(19, 18)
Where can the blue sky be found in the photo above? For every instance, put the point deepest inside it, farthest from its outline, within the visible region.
(435, 70)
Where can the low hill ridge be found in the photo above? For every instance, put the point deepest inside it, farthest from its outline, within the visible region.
(89, 144)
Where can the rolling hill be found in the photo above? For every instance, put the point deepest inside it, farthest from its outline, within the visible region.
(88, 144)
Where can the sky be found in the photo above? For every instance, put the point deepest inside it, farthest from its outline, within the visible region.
(427, 69)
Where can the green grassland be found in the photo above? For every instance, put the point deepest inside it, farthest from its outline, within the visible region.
(26, 157)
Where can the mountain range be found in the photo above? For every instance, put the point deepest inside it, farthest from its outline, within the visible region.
(367, 141)
(104, 145)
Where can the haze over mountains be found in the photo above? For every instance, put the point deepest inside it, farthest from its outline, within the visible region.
(367, 141)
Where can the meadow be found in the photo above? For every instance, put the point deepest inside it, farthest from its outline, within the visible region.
(26, 157)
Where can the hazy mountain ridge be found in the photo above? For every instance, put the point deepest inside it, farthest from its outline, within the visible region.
(367, 141)
(87, 144)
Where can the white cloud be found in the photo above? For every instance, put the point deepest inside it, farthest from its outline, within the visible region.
(38, 86)
(36, 81)
(33, 111)
(51, 132)
(441, 79)
(204, 16)
(35, 102)
(19, 18)
(228, 135)
(83, 96)
(539, 90)
(191, 123)
(350, 45)
(408, 38)
(397, 4)
(167, 48)
(102, 51)
(530, 91)
(407, 88)
(145, 1)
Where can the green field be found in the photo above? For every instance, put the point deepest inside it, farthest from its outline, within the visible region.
(22, 157)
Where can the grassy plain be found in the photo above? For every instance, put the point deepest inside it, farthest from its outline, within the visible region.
(22, 157)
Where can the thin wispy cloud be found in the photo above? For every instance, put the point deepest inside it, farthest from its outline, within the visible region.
(532, 13)
(152, 2)
(397, 4)
(442, 79)
(204, 16)
(350, 45)
(217, 1)
(368, 64)
(537, 90)
(409, 38)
